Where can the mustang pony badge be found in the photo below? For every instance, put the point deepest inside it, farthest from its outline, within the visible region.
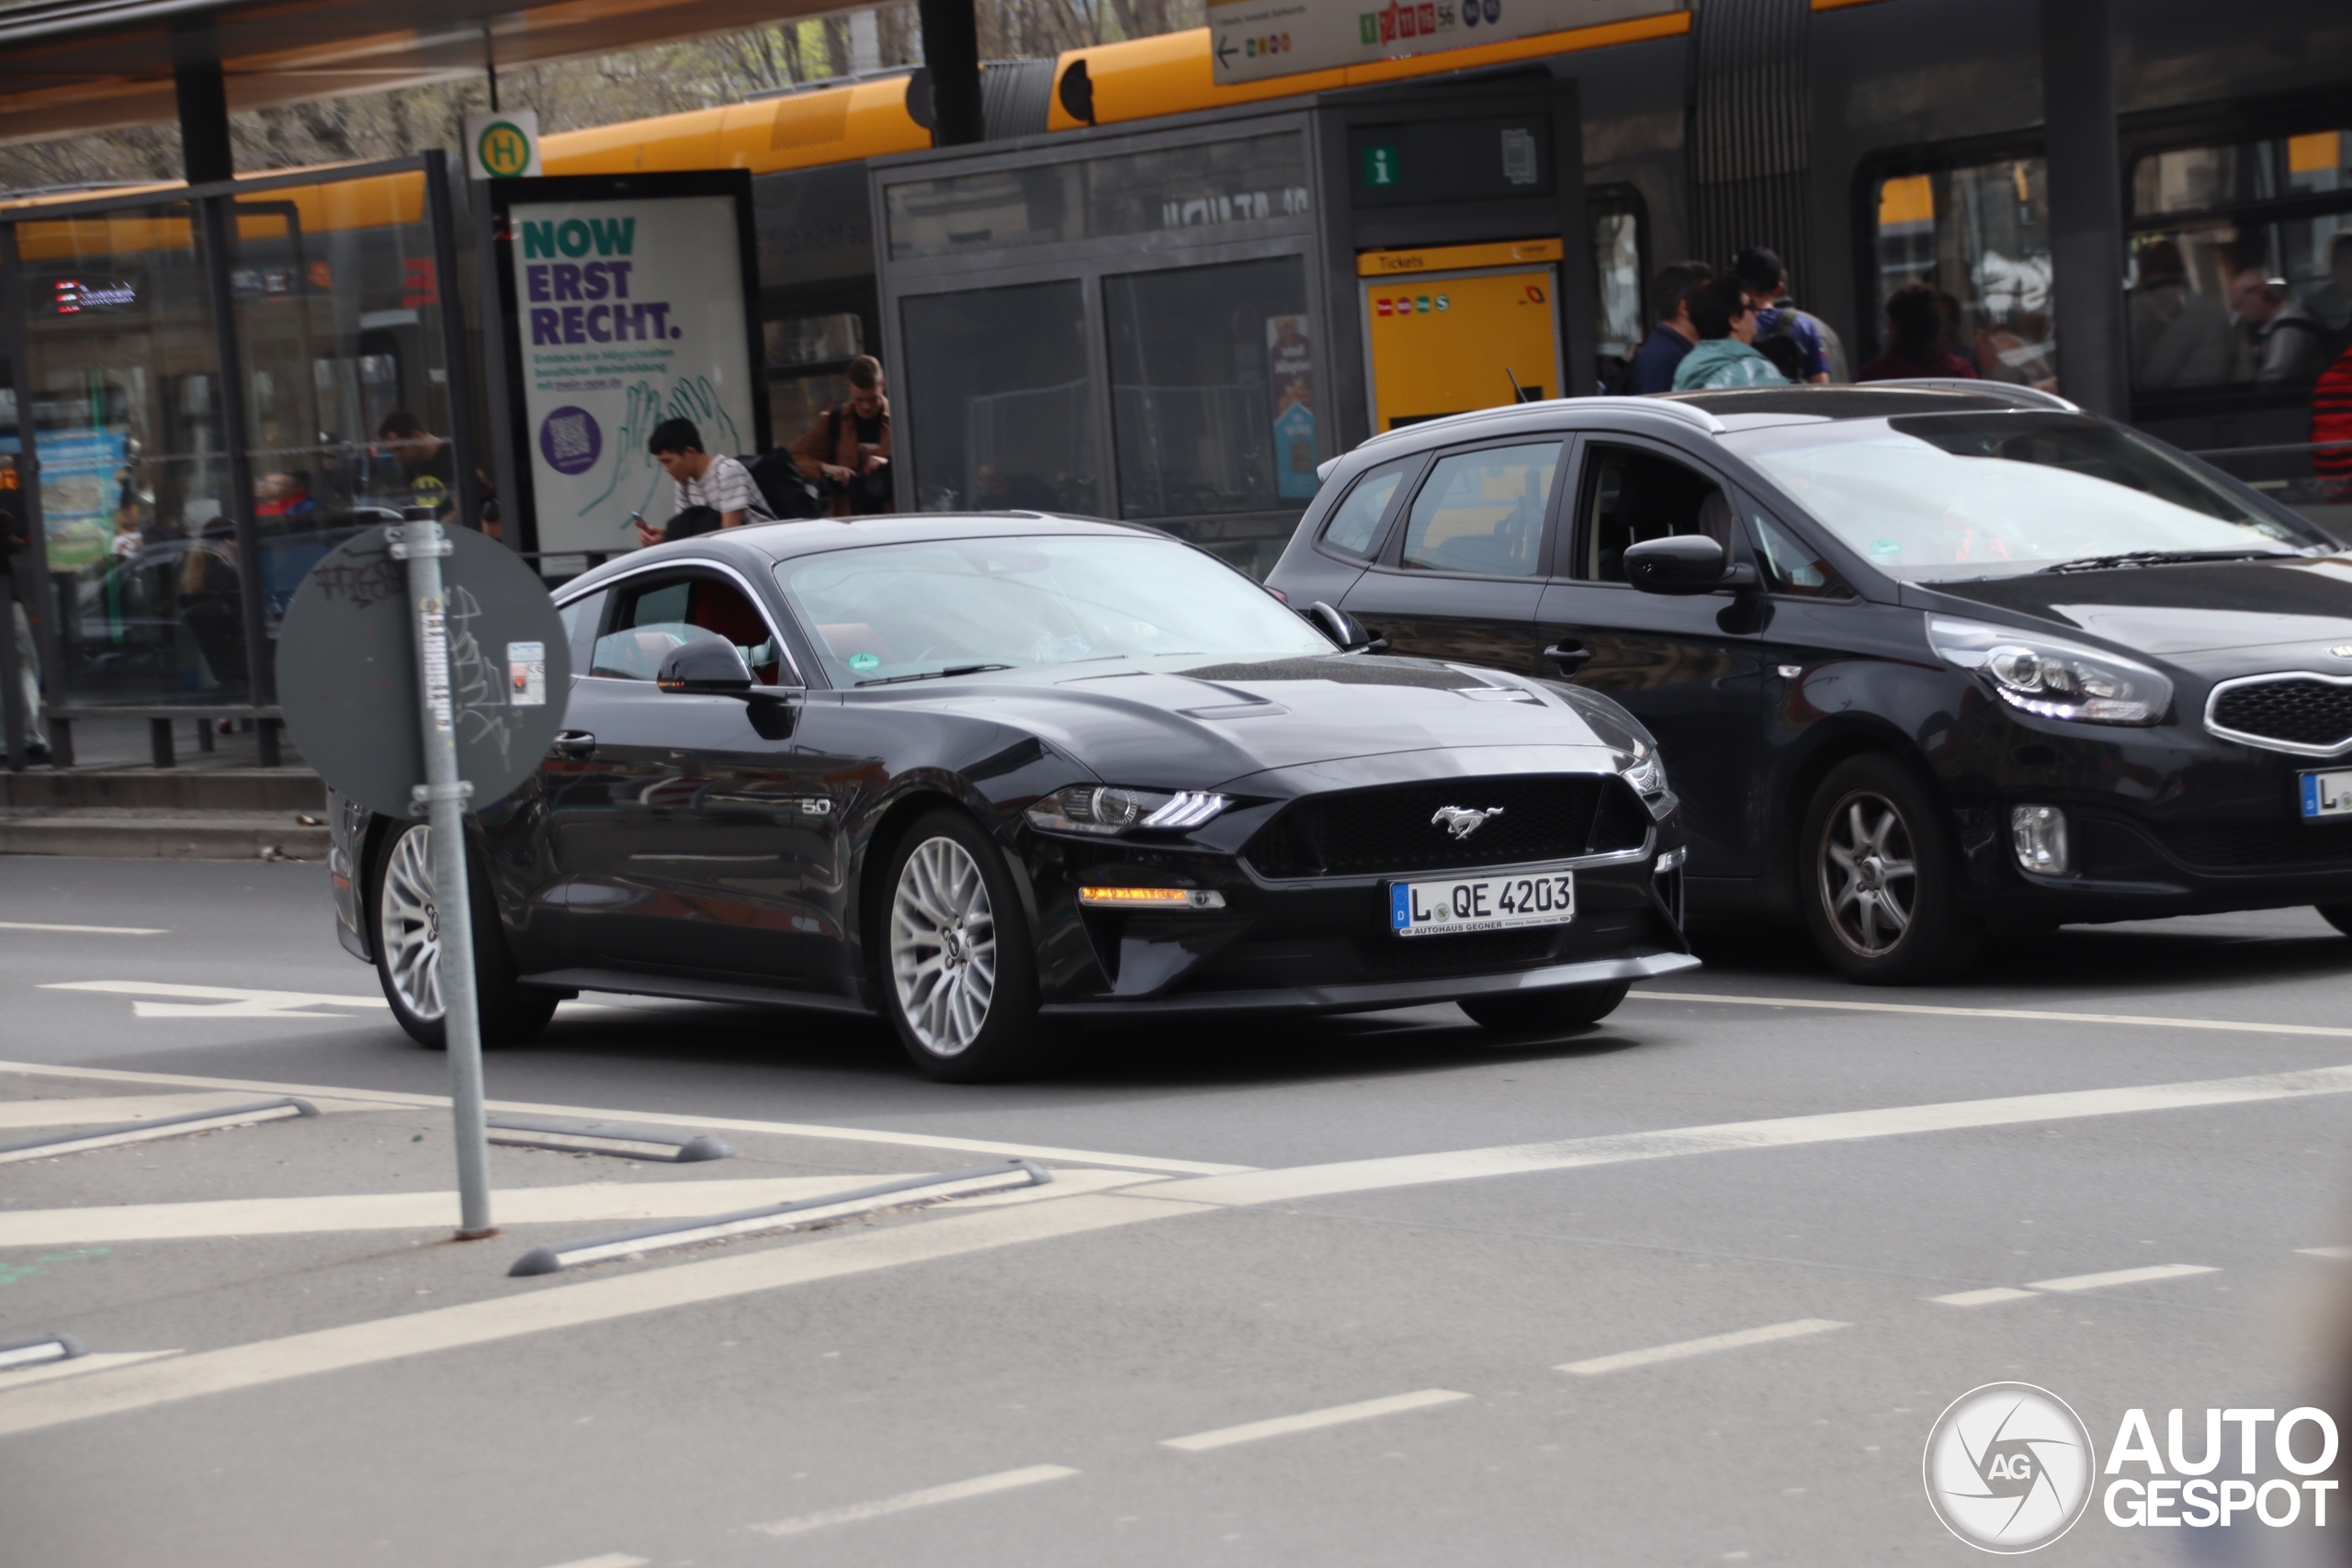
(1462, 820)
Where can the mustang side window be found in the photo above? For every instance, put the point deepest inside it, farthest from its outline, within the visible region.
(1631, 496)
(669, 612)
(1355, 527)
(1483, 511)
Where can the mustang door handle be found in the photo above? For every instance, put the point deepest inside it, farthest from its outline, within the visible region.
(1569, 656)
(574, 743)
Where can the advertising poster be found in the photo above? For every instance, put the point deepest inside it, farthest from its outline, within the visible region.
(80, 489)
(1290, 368)
(628, 311)
(1253, 40)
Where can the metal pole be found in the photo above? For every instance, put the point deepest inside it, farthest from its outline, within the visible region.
(2086, 204)
(421, 543)
(219, 228)
(455, 366)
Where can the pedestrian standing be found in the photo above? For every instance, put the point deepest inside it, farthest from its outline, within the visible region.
(1778, 320)
(15, 540)
(849, 446)
(1662, 351)
(1724, 355)
(1914, 333)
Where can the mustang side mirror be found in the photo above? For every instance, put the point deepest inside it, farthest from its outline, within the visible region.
(1684, 563)
(1343, 628)
(709, 665)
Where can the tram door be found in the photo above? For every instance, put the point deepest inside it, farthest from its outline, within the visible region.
(1452, 328)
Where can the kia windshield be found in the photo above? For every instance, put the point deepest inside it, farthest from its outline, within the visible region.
(940, 609)
(1933, 497)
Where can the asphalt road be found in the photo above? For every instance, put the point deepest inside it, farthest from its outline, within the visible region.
(1366, 1291)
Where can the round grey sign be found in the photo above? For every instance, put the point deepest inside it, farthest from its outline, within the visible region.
(347, 676)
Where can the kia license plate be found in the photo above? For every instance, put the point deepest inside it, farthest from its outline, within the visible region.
(2326, 796)
(1482, 903)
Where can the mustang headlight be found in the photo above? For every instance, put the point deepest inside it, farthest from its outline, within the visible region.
(1645, 771)
(1111, 808)
(2052, 677)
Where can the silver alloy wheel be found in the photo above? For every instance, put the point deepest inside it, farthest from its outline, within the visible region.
(409, 925)
(1869, 881)
(942, 946)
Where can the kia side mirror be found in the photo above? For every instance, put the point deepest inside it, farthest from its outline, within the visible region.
(711, 665)
(1684, 563)
(1343, 628)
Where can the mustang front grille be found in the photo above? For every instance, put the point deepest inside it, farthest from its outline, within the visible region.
(1419, 827)
(2309, 715)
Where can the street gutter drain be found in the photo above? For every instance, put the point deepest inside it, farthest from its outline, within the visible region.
(162, 1127)
(785, 1216)
(39, 1351)
(607, 1138)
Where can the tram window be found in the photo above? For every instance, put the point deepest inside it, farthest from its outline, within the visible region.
(1618, 246)
(2241, 264)
(1979, 235)
(809, 340)
(1213, 389)
(1006, 418)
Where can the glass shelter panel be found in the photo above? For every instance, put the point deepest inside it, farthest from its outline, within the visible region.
(1213, 389)
(123, 381)
(1006, 417)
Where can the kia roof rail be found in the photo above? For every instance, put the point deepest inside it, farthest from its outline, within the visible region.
(1699, 418)
(2008, 392)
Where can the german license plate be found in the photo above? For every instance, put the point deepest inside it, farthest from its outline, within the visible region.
(1482, 903)
(2326, 795)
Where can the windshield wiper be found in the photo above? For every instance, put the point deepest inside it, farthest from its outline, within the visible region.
(933, 674)
(2157, 558)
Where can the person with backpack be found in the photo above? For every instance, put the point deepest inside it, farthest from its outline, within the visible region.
(1799, 344)
(712, 491)
(848, 450)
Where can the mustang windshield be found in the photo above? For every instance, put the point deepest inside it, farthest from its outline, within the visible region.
(1959, 495)
(911, 609)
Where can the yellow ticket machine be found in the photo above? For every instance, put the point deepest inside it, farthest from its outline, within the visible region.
(1452, 328)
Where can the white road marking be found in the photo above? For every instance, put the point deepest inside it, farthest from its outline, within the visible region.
(610, 1559)
(2030, 1015)
(1981, 1297)
(2121, 1276)
(1338, 1416)
(1596, 1365)
(709, 1124)
(85, 930)
(422, 1211)
(954, 1491)
(1305, 1181)
(566, 1306)
(218, 1002)
(119, 1107)
(2325, 1251)
(96, 1361)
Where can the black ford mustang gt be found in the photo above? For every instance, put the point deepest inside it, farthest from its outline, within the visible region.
(992, 775)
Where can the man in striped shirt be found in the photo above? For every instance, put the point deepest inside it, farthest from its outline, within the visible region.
(718, 483)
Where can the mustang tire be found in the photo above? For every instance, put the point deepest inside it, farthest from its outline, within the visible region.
(1877, 877)
(401, 902)
(1572, 1007)
(956, 968)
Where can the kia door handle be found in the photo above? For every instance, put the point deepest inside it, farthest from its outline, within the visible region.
(1570, 657)
(574, 743)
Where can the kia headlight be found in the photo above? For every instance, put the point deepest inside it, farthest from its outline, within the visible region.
(2052, 677)
(1108, 809)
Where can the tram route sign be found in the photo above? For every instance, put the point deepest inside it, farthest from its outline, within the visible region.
(347, 669)
(1254, 40)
